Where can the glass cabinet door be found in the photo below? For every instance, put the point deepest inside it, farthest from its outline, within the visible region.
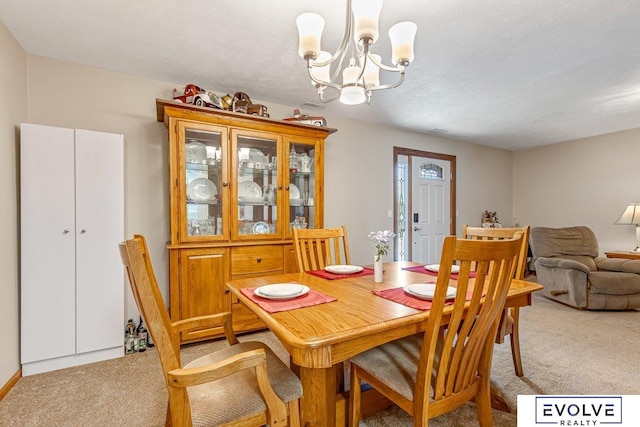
(257, 188)
(304, 188)
(204, 154)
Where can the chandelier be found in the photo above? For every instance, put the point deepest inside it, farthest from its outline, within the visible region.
(358, 66)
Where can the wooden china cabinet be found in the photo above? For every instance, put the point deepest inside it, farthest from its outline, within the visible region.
(238, 185)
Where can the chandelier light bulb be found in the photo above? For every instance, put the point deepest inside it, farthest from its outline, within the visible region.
(366, 15)
(352, 94)
(310, 26)
(322, 73)
(402, 36)
(371, 71)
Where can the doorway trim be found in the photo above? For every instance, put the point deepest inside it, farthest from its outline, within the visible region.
(410, 153)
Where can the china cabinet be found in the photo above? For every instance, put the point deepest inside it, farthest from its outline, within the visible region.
(238, 186)
(72, 219)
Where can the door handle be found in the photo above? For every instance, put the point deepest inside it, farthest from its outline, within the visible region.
(417, 228)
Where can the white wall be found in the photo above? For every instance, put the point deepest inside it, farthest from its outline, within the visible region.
(584, 182)
(13, 110)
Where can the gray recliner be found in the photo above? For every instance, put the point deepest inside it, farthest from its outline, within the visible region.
(568, 266)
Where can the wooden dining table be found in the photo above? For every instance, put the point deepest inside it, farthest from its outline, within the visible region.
(320, 337)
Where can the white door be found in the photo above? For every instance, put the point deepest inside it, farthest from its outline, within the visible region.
(47, 215)
(99, 229)
(430, 219)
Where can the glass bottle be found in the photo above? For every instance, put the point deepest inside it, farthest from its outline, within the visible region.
(141, 331)
(129, 339)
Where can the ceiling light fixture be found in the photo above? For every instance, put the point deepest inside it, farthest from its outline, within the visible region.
(358, 66)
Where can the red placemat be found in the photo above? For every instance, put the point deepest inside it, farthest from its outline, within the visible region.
(366, 271)
(421, 269)
(399, 295)
(274, 306)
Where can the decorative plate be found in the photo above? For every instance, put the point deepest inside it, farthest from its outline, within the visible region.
(201, 190)
(294, 192)
(260, 227)
(249, 190)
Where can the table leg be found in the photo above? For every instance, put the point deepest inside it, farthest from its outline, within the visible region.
(318, 403)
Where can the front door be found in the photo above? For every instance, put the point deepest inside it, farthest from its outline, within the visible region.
(430, 218)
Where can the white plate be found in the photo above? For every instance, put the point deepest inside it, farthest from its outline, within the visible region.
(426, 290)
(196, 152)
(249, 190)
(201, 190)
(281, 291)
(257, 156)
(436, 267)
(250, 199)
(343, 269)
(260, 227)
(294, 192)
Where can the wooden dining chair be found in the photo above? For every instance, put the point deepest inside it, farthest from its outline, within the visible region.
(510, 320)
(432, 373)
(317, 248)
(245, 384)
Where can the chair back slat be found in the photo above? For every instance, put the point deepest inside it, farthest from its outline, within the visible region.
(318, 248)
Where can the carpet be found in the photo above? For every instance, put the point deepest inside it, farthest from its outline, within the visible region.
(564, 351)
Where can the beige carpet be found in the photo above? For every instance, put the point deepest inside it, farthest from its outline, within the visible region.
(565, 351)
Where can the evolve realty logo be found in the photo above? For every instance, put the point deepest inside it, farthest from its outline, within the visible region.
(578, 410)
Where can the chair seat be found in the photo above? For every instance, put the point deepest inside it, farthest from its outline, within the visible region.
(614, 283)
(394, 363)
(210, 402)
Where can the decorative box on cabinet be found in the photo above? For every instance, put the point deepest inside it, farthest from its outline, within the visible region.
(238, 184)
(72, 219)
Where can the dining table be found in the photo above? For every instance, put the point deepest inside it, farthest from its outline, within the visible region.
(345, 315)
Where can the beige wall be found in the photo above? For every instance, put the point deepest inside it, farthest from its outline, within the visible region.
(358, 176)
(358, 157)
(13, 110)
(584, 182)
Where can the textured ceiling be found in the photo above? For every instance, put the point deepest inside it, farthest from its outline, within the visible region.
(511, 74)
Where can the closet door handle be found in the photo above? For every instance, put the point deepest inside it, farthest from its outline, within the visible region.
(83, 231)
(65, 231)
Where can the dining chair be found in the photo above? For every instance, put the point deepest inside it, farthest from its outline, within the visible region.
(243, 384)
(317, 248)
(432, 373)
(510, 320)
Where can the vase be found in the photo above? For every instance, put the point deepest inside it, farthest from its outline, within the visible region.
(377, 269)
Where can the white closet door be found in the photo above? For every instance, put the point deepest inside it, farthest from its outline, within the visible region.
(48, 315)
(99, 229)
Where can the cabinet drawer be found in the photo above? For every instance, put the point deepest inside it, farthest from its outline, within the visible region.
(256, 260)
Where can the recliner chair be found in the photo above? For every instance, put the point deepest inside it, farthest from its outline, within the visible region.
(568, 265)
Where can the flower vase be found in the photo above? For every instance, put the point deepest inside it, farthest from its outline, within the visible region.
(377, 269)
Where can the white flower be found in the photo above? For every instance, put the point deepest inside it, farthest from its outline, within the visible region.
(382, 238)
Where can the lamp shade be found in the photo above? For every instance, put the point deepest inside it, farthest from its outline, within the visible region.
(352, 95)
(310, 26)
(402, 36)
(366, 14)
(631, 215)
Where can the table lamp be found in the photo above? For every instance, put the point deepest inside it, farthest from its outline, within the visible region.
(631, 215)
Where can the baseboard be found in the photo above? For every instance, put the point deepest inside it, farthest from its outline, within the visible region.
(9, 385)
